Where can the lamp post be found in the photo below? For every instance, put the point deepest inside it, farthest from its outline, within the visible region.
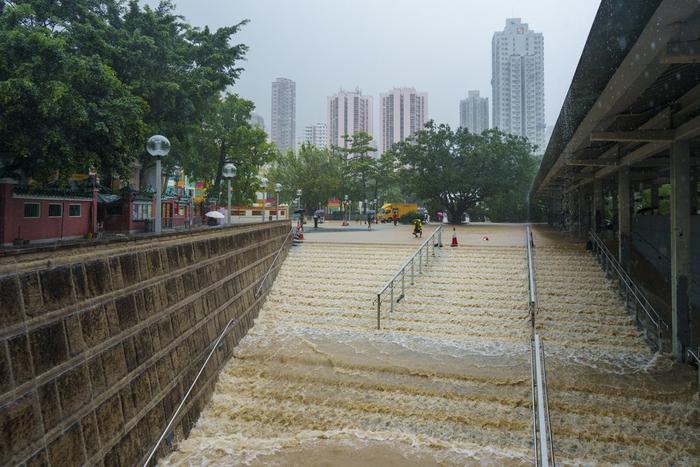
(263, 185)
(229, 172)
(278, 188)
(158, 146)
(345, 214)
(299, 198)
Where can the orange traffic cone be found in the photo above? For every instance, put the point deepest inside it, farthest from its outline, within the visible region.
(454, 237)
(300, 233)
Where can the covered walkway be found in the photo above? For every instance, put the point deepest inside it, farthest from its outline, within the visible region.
(624, 156)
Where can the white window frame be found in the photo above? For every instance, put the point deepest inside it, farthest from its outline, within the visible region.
(80, 210)
(48, 212)
(31, 217)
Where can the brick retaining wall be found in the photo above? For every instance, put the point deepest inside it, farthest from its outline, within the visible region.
(97, 351)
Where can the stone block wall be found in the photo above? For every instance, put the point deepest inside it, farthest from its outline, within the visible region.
(97, 350)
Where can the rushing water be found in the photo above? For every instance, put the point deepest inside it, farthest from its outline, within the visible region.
(447, 379)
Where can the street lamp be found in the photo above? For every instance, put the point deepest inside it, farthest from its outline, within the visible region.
(229, 172)
(278, 188)
(263, 185)
(299, 198)
(158, 146)
(345, 214)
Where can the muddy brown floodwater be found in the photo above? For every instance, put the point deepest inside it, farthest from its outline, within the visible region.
(447, 379)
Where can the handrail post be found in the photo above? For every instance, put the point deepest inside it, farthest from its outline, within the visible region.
(391, 307)
(403, 282)
(413, 272)
(379, 310)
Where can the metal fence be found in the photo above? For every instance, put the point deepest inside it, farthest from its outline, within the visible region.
(434, 241)
(635, 300)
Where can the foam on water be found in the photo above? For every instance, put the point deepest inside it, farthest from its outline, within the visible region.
(447, 379)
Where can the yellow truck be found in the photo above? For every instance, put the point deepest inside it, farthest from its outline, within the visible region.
(387, 211)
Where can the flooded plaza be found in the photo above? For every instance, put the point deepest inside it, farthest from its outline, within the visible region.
(446, 381)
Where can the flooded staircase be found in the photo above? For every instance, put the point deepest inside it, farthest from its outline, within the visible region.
(612, 399)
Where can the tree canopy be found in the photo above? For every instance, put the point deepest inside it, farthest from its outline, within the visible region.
(83, 83)
(458, 170)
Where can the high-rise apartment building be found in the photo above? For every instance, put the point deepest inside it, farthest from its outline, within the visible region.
(474, 113)
(518, 81)
(316, 135)
(256, 120)
(283, 118)
(403, 111)
(347, 114)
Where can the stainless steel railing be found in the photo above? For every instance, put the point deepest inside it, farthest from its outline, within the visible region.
(206, 361)
(541, 425)
(274, 261)
(532, 291)
(423, 250)
(634, 297)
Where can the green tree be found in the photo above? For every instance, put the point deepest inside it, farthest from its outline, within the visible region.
(85, 82)
(458, 169)
(361, 168)
(61, 111)
(227, 136)
(317, 172)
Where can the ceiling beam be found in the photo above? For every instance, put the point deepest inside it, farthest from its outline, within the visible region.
(682, 52)
(634, 136)
(592, 162)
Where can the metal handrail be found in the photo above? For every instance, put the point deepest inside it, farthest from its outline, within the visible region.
(262, 281)
(204, 365)
(542, 427)
(696, 357)
(532, 288)
(402, 271)
(608, 260)
(187, 394)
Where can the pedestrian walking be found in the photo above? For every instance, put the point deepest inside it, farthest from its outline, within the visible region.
(316, 219)
(369, 221)
(395, 218)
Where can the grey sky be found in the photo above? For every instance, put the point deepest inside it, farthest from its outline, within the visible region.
(442, 47)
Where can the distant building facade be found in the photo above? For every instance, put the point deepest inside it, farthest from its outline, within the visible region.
(518, 81)
(347, 114)
(283, 115)
(316, 135)
(474, 113)
(256, 120)
(403, 111)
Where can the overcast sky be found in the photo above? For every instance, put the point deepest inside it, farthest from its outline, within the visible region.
(442, 47)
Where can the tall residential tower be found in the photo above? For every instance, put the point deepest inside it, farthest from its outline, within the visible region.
(283, 118)
(518, 81)
(474, 113)
(403, 111)
(348, 113)
(316, 135)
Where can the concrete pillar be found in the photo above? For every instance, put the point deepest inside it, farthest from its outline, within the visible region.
(624, 216)
(680, 248)
(597, 211)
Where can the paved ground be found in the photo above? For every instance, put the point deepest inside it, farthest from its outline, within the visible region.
(472, 234)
